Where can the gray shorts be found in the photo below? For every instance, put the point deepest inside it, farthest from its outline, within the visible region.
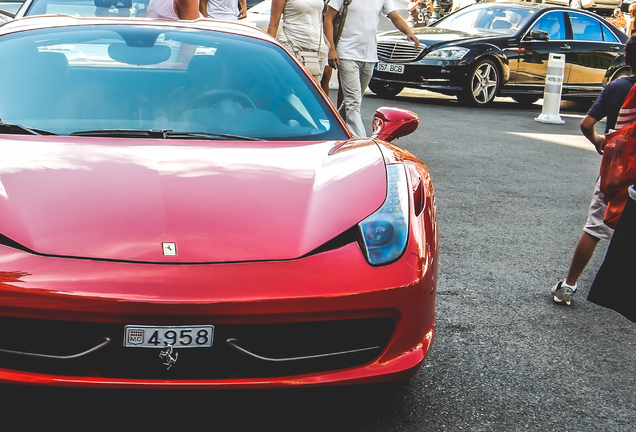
(594, 225)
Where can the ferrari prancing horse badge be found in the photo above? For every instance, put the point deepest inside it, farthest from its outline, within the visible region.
(170, 249)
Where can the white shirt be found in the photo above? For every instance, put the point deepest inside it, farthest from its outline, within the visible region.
(161, 9)
(358, 40)
(223, 9)
(302, 24)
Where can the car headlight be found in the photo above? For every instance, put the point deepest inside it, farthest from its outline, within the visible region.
(452, 53)
(385, 232)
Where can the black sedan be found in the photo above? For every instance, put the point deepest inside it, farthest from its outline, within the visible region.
(502, 49)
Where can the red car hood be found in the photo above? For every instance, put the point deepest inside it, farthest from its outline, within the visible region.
(212, 201)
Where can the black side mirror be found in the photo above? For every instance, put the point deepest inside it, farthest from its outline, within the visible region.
(538, 35)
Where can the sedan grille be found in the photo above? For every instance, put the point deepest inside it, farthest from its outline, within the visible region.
(238, 351)
(398, 52)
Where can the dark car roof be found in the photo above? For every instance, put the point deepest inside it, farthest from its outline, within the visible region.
(524, 5)
(542, 9)
(520, 4)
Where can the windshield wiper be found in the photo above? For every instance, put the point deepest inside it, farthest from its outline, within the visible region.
(122, 133)
(10, 128)
(160, 134)
(208, 135)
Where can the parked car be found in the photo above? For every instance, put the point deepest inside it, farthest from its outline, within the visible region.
(90, 8)
(502, 49)
(84, 8)
(258, 15)
(9, 7)
(5, 16)
(625, 5)
(174, 213)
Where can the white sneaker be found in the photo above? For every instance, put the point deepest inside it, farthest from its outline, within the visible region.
(562, 294)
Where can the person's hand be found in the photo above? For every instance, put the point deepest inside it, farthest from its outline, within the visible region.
(242, 13)
(333, 59)
(415, 40)
(600, 144)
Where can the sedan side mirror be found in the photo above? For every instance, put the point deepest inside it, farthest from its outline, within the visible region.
(391, 123)
(538, 35)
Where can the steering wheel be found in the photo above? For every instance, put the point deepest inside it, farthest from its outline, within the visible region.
(218, 98)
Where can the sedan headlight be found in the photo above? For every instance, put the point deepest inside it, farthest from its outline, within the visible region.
(385, 232)
(451, 53)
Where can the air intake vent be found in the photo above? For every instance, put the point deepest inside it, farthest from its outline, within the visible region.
(400, 52)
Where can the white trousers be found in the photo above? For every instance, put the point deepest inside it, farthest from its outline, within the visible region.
(354, 78)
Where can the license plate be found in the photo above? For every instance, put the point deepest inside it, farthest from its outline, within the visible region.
(138, 336)
(389, 67)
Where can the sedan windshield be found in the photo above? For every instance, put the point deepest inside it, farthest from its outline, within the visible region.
(151, 81)
(491, 18)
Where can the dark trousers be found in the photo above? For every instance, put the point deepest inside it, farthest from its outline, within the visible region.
(615, 282)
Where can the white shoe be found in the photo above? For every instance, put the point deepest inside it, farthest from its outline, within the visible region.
(562, 294)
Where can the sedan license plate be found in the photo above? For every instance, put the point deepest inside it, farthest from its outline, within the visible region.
(139, 336)
(389, 67)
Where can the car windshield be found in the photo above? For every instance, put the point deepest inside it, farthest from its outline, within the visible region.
(88, 8)
(105, 80)
(491, 18)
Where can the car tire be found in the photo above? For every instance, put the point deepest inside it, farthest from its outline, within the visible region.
(482, 85)
(621, 73)
(385, 90)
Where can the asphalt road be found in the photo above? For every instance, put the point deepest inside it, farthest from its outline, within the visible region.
(512, 196)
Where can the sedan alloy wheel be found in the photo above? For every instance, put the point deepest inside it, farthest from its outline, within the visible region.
(482, 85)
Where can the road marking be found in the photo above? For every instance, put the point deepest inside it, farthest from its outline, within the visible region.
(576, 141)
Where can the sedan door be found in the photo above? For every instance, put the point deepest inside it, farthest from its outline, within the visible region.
(593, 49)
(533, 54)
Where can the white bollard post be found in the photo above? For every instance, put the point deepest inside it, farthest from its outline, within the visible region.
(553, 88)
(436, 9)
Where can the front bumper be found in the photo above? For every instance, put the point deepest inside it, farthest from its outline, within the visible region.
(329, 302)
(442, 77)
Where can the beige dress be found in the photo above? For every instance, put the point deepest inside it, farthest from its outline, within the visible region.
(301, 28)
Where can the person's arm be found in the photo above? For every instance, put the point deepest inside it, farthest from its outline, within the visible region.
(243, 9)
(203, 8)
(589, 131)
(402, 26)
(333, 59)
(187, 9)
(274, 18)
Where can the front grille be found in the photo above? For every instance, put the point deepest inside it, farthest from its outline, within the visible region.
(300, 346)
(398, 52)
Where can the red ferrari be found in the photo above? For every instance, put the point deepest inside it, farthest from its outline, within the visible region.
(181, 207)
